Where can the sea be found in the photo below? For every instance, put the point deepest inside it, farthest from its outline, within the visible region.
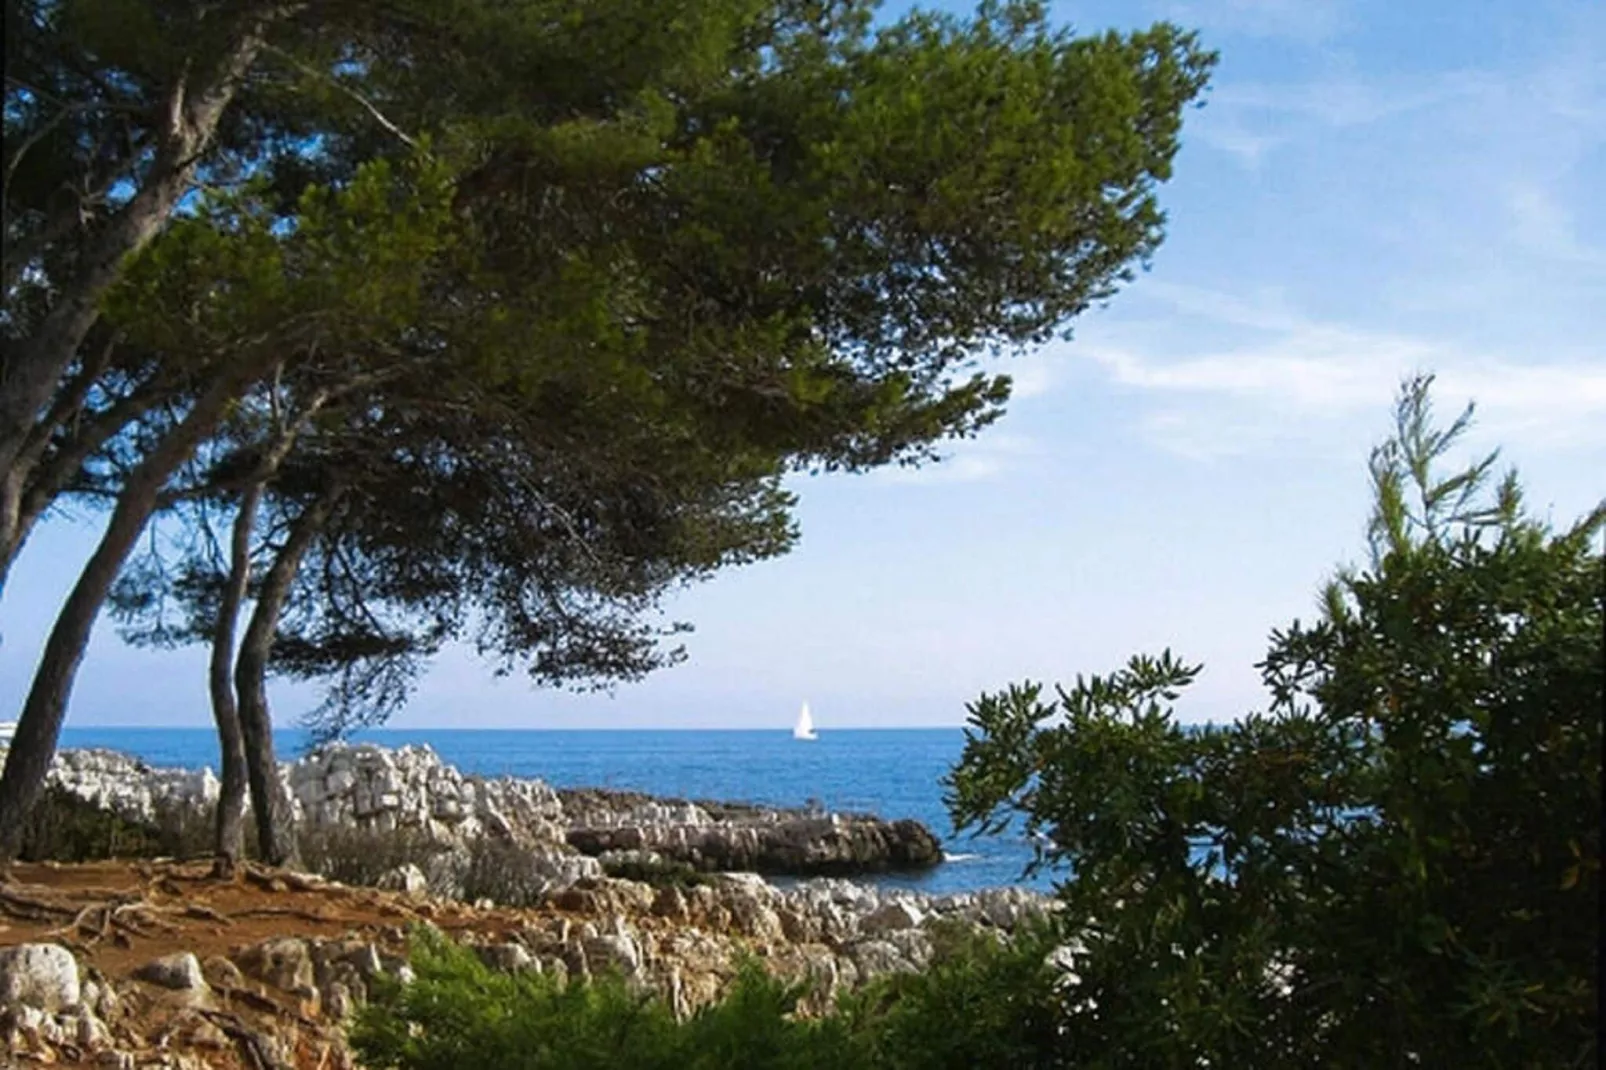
(893, 773)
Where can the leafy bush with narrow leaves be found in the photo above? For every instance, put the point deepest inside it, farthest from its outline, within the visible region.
(66, 828)
(460, 1013)
(1398, 864)
(982, 1003)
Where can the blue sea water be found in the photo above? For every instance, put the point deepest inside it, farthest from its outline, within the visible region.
(894, 773)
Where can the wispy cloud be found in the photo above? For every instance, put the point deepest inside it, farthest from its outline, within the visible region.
(1544, 226)
(1353, 101)
(1300, 380)
(1248, 120)
(1231, 135)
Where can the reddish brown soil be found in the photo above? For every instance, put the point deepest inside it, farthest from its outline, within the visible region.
(118, 916)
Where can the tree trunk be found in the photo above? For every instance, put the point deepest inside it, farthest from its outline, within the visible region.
(33, 366)
(35, 481)
(39, 725)
(276, 834)
(230, 830)
(11, 529)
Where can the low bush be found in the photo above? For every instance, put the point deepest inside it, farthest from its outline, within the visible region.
(355, 854)
(459, 1013)
(66, 828)
(982, 1003)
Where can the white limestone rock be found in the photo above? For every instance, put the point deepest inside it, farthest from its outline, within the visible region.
(42, 976)
(406, 878)
(892, 916)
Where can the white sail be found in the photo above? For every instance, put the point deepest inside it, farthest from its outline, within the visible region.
(804, 729)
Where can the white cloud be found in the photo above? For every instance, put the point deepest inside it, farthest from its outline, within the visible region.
(1544, 226)
(1249, 120)
(1347, 102)
(1292, 380)
(1232, 136)
(1032, 377)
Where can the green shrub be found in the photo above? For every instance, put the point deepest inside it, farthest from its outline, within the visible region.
(66, 828)
(354, 854)
(1399, 864)
(982, 1002)
(459, 1013)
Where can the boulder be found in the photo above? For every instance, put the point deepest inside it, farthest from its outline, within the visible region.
(337, 1001)
(751, 916)
(31, 1027)
(284, 963)
(508, 958)
(669, 902)
(891, 916)
(222, 973)
(87, 1031)
(1006, 908)
(42, 976)
(873, 958)
(406, 878)
(180, 972)
(613, 950)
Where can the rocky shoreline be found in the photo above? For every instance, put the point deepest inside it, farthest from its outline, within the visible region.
(372, 788)
(170, 963)
(160, 964)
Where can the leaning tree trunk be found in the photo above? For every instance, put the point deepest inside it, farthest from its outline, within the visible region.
(36, 480)
(270, 803)
(34, 365)
(39, 726)
(230, 831)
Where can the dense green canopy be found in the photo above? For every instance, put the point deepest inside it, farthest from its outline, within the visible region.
(501, 319)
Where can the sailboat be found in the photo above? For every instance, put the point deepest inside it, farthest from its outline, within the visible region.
(804, 729)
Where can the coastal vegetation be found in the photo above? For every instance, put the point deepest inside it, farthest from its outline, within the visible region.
(978, 1003)
(373, 326)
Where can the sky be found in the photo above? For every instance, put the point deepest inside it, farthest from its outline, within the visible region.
(1371, 190)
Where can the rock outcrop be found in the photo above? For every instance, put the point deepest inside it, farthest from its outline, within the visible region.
(712, 838)
(198, 981)
(368, 787)
(42, 976)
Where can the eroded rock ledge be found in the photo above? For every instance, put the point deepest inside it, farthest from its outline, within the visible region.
(733, 836)
(367, 786)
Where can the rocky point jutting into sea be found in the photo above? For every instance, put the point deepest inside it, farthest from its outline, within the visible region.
(129, 960)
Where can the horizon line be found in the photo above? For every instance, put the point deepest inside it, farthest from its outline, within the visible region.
(534, 728)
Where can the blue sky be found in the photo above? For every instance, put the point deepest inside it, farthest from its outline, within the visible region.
(1372, 189)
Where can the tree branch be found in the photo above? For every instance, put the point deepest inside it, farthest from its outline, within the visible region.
(367, 105)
